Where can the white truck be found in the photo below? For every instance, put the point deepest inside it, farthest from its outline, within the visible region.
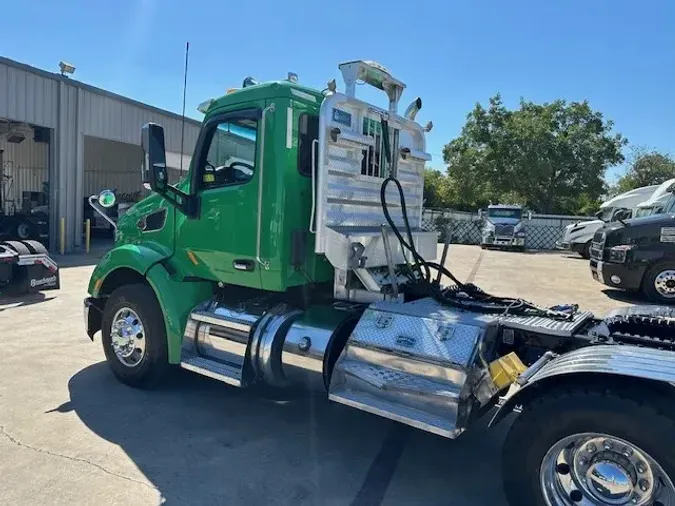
(578, 236)
(657, 203)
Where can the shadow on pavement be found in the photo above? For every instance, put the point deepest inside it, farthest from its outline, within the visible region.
(625, 296)
(202, 442)
(24, 300)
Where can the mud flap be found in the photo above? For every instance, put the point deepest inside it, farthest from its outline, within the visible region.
(25, 273)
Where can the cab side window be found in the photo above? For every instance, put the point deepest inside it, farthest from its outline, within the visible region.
(230, 158)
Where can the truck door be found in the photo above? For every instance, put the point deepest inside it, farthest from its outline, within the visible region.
(220, 244)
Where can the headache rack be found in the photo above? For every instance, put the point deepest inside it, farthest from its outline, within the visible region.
(349, 171)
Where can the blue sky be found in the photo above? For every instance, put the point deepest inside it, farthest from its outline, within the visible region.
(620, 55)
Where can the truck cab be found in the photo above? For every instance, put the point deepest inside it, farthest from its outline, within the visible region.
(293, 254)
(638, 254)
(578, 236)
(504, 227)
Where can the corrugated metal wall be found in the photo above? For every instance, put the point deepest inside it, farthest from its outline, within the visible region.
(112, 119)
(75, 110)
(110, 164)
(25, 166)
(26, 96)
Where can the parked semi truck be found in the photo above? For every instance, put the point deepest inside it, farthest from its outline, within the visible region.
(638, 254)
(504, 227)
(578, 236)
(293, 253)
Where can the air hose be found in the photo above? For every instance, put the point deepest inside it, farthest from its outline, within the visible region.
(465, 296)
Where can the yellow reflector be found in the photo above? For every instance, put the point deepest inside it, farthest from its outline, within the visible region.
(192, 257)
(505, 370)
(231, 90)
(98, 284)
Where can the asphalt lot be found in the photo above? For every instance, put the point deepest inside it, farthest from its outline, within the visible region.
(70, 434)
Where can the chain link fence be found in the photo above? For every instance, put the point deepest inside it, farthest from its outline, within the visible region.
(542, 231)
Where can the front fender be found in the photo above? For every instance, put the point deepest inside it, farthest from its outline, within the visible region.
(177, 298)
(587, 365)
(132, 256)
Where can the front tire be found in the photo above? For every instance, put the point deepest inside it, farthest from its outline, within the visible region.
(134, 336)
(586, 251)
(658, 284)
(593, 447)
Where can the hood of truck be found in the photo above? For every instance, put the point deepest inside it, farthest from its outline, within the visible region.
(581, 231)
(638, 230)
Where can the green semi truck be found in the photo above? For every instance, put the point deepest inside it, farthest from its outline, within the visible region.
(293, 253)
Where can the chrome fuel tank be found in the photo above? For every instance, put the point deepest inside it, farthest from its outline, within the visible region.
(263, 341)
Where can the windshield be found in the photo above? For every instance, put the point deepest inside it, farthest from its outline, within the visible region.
(670, 206)
(505, 213)
(605, 214)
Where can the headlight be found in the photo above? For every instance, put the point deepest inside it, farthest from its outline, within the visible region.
(619, 254)
(520, 233)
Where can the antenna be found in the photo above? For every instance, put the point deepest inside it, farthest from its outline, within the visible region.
(182, 125)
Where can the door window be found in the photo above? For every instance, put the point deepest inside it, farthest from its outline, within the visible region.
(230, 158)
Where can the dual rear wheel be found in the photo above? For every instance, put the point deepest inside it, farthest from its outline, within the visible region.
(576, 446)
(592, 448)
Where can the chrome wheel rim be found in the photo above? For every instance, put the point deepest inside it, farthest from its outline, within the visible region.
(665, 284)
(594, 469)
(127, 337)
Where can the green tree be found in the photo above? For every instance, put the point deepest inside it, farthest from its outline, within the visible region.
(645, 167)
(551, 157)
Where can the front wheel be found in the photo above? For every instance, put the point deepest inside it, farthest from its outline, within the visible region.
(134, 336)
(590, 447)
(586, 251)
(659, 283)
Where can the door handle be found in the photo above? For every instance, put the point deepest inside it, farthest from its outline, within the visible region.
(242, 264)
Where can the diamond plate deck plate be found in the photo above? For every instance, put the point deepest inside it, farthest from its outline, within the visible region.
(383, 377)
(425, 338)
(545, 325)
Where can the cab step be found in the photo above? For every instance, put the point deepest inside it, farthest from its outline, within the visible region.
(212, 369)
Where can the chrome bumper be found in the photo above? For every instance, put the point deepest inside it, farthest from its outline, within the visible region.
(564, 245)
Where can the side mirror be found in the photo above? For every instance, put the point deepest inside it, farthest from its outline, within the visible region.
(103, 201)
(107, 199)
(154, 162)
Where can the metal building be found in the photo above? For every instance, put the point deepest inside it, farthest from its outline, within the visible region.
(63, 140)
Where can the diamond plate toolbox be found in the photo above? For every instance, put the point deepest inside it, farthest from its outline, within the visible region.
(433, 338)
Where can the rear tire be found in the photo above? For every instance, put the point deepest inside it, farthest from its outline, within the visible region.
(23, 230)
(152, 366)
(566, 420)
(18, 246)
(658, 283)
(37, 248)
